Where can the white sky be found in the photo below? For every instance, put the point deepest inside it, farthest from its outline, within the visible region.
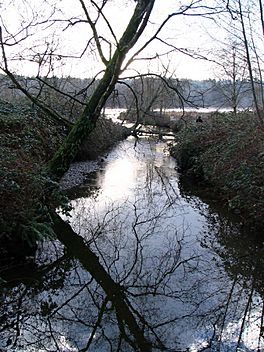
(182, 31)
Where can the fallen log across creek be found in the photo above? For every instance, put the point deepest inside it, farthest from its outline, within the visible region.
(159, 133)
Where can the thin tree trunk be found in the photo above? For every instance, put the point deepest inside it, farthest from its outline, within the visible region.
(261, 16)
(250, 70)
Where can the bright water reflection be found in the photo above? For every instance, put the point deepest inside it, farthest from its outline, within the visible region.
(189, 285)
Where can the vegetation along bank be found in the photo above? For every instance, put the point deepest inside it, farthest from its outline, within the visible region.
(227, 151)
(28, 140)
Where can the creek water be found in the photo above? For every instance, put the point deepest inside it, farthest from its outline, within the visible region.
(190, 275)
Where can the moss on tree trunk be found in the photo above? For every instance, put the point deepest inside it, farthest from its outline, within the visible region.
(86, 123)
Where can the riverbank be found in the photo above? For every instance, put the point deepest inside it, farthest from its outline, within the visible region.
(170, 254)
(227, 152)
(28, 140)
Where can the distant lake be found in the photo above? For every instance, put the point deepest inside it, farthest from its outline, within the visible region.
(114, 113)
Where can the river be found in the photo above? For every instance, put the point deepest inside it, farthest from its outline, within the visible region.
(189, 274)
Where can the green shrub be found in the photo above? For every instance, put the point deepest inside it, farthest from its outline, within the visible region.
(228, 152)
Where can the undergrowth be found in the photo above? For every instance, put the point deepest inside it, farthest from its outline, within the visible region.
(28, 139)
(227, 151)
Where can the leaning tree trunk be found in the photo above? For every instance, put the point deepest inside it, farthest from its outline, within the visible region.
(86, 123)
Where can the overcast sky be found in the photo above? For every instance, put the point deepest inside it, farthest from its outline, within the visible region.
(184, 32)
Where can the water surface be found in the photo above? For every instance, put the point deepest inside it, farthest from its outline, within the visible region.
(189, 275)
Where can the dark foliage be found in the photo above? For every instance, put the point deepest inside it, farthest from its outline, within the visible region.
(228, 152)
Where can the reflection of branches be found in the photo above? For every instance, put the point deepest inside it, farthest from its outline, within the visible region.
(226, 309)
(17, 319)
(72, 297)
(52, 334)
(247, 311)
(115, 293)
(136, 284)
(261, 327)
(138, 250)
(166, 181)
(96, 325)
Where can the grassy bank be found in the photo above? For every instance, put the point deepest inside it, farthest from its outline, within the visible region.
(227, 152)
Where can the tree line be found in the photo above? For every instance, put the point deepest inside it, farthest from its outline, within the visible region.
(69, 94)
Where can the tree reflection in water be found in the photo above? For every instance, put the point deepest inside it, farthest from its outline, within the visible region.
(147, 271)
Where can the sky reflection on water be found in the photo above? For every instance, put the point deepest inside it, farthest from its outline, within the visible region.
(172, 254)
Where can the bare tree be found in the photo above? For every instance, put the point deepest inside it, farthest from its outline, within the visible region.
(232, 71)
(244, 14)
(47, 57)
